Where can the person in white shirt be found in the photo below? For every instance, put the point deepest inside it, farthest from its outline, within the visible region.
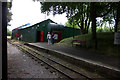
(48, 37)
(21, 37)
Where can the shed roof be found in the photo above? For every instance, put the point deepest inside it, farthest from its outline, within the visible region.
(55, 26)
(39, 23)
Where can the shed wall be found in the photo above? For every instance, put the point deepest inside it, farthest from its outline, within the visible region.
(28, 34)
(43, 27)
(68, 32)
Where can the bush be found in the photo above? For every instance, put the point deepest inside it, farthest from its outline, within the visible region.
(9, 33)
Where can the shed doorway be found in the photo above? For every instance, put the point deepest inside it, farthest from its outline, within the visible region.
(39, 36)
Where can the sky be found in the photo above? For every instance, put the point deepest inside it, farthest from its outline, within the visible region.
(27, 11)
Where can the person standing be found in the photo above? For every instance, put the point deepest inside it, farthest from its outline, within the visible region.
(53, 37)
(21, 37)
(48, 37)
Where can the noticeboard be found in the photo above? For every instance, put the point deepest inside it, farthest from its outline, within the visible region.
(117, 38)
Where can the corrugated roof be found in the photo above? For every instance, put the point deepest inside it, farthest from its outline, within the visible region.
(37, 24)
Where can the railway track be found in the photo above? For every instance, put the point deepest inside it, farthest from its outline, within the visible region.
(64, 70)
(57, 66)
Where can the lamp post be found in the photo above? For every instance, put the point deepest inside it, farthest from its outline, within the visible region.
(73, 28)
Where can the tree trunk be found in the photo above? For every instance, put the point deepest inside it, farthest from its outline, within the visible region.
(88, 26)
(93, 19)
(82, 21)
(117, 17)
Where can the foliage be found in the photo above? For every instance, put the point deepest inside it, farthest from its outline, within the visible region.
(116, 13)
(77, 13)
(9, 13)
(9, 33)
(71, 25)
(105, 29)
(112, 16)
(119, 27)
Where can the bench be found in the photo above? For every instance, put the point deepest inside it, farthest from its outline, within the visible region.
(79, 42)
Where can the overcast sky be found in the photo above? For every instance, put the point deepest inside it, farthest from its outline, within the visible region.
(27, 11)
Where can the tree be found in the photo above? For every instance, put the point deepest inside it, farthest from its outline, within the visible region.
(9, 13)
(71, 25)
(116, 13)
(98, 10)
(93, 16)
(80, 13)
(9, 33)
(77, 11)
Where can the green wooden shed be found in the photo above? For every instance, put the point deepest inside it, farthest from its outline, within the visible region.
(38, 32)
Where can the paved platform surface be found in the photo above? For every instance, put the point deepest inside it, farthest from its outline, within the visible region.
(113, 62)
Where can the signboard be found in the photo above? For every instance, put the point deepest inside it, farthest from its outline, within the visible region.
(117, 38)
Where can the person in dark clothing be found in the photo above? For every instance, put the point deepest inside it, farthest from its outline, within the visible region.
(53, 37)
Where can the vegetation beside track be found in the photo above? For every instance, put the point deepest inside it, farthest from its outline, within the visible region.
(9, 33)
(106, 44)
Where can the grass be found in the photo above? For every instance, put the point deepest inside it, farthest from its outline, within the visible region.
(105, 43)
(14, 41)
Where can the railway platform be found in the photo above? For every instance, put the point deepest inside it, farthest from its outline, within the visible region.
(107, 66)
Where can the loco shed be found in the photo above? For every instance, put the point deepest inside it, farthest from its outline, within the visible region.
(38, 32)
